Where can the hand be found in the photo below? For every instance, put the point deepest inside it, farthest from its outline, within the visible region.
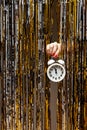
(54, 49)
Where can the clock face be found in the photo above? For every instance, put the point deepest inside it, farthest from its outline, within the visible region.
(56, 72)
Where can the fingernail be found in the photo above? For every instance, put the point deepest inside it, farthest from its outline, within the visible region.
(55, 56)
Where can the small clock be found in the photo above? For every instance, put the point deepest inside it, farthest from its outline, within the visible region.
(56, 70)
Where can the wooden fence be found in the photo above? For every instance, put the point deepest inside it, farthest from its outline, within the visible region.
(28, 100)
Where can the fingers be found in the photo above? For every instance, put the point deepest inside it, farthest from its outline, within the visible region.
(50, 48)
(53, 49)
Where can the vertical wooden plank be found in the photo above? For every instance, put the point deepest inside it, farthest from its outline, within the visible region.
(53, 105)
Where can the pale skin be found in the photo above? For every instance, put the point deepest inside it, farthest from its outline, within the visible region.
(54, 49)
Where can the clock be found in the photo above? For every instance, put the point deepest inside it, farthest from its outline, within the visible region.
(56, 70)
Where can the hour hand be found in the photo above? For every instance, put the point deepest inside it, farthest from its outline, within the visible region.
(55, 71)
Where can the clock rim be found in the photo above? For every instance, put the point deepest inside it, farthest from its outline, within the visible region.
(57, 65)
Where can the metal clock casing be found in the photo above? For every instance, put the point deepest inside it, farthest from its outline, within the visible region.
(56, 70)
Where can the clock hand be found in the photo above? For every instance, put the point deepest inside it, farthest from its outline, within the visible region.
(55, 70)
